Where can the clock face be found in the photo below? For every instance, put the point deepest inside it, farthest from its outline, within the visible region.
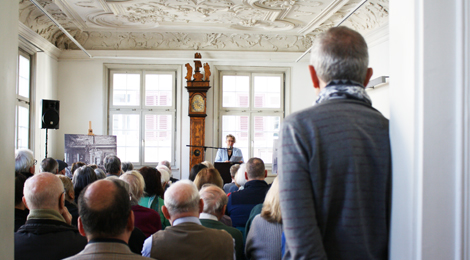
(197, 104)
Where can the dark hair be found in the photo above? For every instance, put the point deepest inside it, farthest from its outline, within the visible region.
(152, 178)
(196, 168)
(75, 166)
(93, 166)
(127, 166)
(19, 186)
(81, 178)
(208, 175)
(49, 165)
(106, 222)
(112, 164)
(255, 168)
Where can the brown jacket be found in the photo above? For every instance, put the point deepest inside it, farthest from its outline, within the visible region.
(191, 241)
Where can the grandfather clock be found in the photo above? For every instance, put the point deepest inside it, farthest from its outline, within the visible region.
(197, 86)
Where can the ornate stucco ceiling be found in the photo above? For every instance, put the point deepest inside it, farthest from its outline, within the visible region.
(257, 25)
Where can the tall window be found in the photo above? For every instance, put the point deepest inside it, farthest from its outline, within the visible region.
(23, 93)
(142, 115)
(252, 108)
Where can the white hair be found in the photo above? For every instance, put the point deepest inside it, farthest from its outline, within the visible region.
(240, 176)
(182, 197)
(136, 184)
(165, 163)
(165, 173)
(24, 160)
(214, 199)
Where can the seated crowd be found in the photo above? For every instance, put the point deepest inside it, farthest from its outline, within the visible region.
(87, 212)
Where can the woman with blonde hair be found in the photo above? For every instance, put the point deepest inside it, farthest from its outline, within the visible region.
(264, 238)
(208, 175)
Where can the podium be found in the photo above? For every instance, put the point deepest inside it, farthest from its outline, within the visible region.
(224, 170)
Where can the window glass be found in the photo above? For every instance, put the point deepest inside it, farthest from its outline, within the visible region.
(238, 126)
(23, 127)
(127, 128)
(266, 129)
(158, 138)
(158, 89)
(267, 92)
(236, 91)
(23, 76)
(126, 89)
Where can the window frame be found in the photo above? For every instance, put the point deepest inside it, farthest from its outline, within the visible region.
(142, 109)
(22, 101)
(251, 111)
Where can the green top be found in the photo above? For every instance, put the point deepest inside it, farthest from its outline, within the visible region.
(235, 233)
(45, 214)
(151, 203)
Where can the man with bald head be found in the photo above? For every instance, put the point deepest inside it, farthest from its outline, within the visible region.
(107, 221)
(187, 238)
(47, 233)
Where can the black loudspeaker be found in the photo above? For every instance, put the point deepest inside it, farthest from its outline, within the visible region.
(50, 114)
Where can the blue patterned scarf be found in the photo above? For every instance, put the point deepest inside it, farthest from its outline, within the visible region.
(343, 89)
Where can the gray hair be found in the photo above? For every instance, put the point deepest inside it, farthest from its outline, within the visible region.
(100, 173)
(182, 197)
(49, 165)
(240, 176)
(136, 184)
(165, 163)
(24, 159)
(112, 163)
(165, 173)
(214, 199)
(127, 166)
(340, 53)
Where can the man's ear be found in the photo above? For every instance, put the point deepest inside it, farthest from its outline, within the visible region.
(32, 169)
(62, 201)
(165, 212)
(80, 227)
(369, 73)
(265, 173)
(246, 176)
(24, 202)
(313, 75)
(130, 222)
(201, 206)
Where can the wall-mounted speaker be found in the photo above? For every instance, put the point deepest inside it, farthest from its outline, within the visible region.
(50, 114)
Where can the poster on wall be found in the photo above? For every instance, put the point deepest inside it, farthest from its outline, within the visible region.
(90, 149)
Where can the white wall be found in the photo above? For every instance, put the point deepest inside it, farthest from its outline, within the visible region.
(45, 88)
(8, 72)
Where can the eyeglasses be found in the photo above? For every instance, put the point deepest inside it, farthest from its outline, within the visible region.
(35, 161)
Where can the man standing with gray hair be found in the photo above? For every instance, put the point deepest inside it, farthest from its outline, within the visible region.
(335, 160)
(187, 238)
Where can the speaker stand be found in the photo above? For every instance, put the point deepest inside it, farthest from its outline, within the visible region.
(46, 142)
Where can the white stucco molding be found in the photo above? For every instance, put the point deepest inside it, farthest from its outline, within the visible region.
(33, 42)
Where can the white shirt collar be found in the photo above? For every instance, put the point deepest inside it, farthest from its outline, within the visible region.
(207, 216)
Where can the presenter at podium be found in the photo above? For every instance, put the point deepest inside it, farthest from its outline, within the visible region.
(231, 154)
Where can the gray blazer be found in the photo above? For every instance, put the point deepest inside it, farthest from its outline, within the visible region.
(106, 251)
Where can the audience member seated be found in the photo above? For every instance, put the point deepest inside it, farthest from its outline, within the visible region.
(62, 166)
(21, 212)
(75, 166)
(107, 236)
(187, 238)
(100, 174)
(81, 178)
(70, 198)
(168, 164)
(49, 165)
(196, 168)
(215, 202)
(241, 202)
(146, 219)
(208, 175)
(47, 233)
(127, 166)
(211, 176)
(240, 179)
(208, 164)
(264, 238)
(25, 162)
(165, 174)
(233, 172)
(112, 164)
(153, 193)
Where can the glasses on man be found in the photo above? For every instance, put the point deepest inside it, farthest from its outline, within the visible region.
(35, 161)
